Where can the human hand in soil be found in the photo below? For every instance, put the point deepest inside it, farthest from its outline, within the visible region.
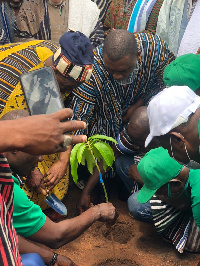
(64, 261)
(107, 213)
(57, 170)
(134, 174)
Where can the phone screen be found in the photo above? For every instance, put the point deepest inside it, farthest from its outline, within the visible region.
(41, 91)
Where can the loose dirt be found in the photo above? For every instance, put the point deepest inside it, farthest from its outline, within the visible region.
(135, 243)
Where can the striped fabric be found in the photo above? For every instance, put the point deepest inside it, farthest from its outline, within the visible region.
(118, 14)
(9, 254)
(193, 242)
(16, 63)
(102, 101)
(7, 18)
(172, 224)
(153, 18)
(103, 5)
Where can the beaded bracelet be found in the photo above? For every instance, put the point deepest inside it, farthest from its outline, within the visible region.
(53, 260)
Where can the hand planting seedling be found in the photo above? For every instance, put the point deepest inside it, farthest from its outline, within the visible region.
(92, 152)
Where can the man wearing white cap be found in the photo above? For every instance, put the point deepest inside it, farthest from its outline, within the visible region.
(174, 116)
(174, 119)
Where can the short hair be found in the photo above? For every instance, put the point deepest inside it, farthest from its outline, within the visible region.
(15, 114)
(120, 43)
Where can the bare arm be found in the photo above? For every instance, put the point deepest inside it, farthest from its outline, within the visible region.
(26, 246)
(39, 134)
(55, 235)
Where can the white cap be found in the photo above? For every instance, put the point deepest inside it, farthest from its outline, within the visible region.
(169, 109)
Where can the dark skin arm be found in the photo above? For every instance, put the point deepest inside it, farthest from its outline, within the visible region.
(40, 134)
(26, 246)
(134, 174)
(67, 230)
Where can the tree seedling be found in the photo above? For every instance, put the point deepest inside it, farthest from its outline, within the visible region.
(93, 151)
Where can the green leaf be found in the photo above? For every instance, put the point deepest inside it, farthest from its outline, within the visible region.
(102, 137)
(90, 160)
(74, 161)
(97, 154)
(74, 170)
(80, 152)
(74, 153)
(106, 152)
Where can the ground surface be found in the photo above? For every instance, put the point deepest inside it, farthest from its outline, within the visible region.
(135, 243)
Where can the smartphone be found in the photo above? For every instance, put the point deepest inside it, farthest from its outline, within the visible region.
(41, 91)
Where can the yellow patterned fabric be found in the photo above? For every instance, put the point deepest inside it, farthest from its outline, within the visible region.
(16, 101)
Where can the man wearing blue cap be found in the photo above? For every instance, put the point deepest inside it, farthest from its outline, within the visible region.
(178, 187)
(72, 64)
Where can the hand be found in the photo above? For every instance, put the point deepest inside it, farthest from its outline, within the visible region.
(44, 134)
(57, 170)
(134, 174)
(127, 115)
(198, 51)
(84, 202)
(64, 261)
(108, 213)
(35, 180)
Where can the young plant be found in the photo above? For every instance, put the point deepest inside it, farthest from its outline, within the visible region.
(91, 152)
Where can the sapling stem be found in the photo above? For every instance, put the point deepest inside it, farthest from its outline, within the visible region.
(100, 176)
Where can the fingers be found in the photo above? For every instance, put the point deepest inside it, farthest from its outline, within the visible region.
(73, 125)
(63, 114)
(78, 139)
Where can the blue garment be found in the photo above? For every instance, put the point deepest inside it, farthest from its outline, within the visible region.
(141, 212)
(6, 24)
(122, 165)
(32, 259)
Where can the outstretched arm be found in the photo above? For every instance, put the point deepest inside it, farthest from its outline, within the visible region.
(39, 134)
(67, 230)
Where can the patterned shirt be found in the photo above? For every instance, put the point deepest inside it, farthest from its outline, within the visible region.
(18, 58)
(102, 101)
(9, 254)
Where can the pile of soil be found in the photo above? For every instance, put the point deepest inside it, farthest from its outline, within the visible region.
(135, 243)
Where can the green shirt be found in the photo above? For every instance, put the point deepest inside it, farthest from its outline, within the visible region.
(194, 182)
(28, 217)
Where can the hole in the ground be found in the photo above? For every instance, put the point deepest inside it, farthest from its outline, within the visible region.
(121, 233)
(111, 262)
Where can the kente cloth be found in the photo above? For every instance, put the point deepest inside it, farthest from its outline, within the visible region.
(191, 38)
(118, 14)
(101, 101)
(103, 5)
(169, 22)
(153, 17)
(134, 22)
(193, 241)
(7, 18)
(16, 59)
(37, 19)
(172, 224)
(8, 238)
